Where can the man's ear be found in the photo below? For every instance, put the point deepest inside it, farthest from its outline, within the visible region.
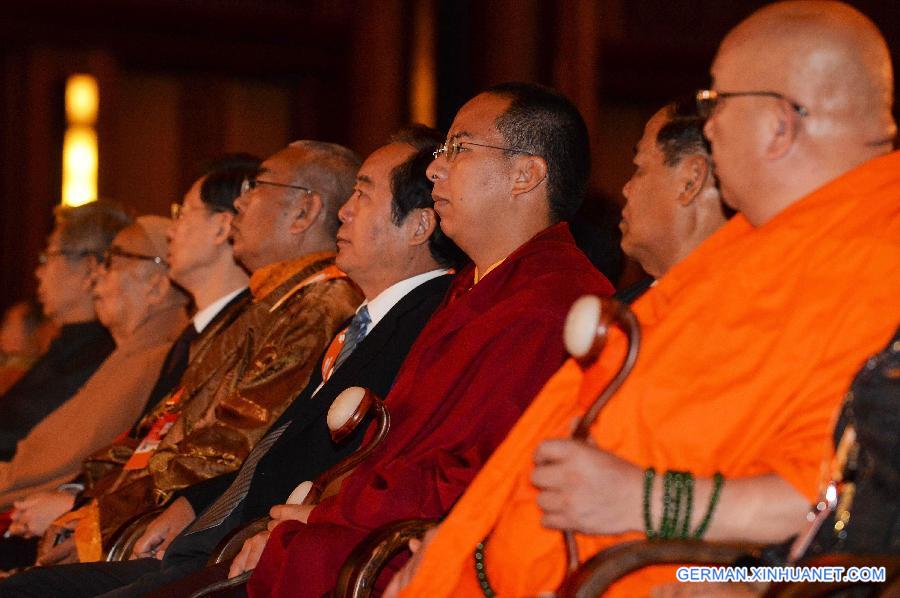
(90, 275)
(694, 171)
(528, 172)
(782, 127)
(223, 232)
(305, 212)
(159, 287)
(420, 223)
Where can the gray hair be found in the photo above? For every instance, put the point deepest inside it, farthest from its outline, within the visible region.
(331, 173)
(90, 227)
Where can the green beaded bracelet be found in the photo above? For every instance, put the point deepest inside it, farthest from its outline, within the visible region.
(688, 507)
(649, 474)
(667, 506)
(678, 490)
(718, 481)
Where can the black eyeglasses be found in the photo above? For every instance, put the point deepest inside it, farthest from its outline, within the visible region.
(249, 184)
(707, 99)
(451, 149)
(45, 256)
(114, 251)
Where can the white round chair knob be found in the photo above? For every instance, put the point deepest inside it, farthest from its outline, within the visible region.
(348, 410)
(344, 406)
(299, 493)
(584, 327)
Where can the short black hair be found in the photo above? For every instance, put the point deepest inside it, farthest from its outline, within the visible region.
(543, 122)
(411, 189)
(682, 134)
(223, 179)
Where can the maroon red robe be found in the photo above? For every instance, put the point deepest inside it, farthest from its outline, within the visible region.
(472, 372)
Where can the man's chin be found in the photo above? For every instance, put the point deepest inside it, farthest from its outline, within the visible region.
(343, 262)
(446, 225)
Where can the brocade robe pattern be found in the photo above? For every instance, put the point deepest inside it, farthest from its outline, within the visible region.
(243, 381)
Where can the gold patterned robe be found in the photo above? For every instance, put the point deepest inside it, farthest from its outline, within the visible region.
(235, 387)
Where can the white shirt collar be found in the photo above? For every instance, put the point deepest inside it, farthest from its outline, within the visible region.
(388, 298)
(203, 317)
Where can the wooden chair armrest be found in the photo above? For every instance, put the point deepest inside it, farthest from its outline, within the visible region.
(606, 567)
(360, 571)
(131, 531)
(231, 544)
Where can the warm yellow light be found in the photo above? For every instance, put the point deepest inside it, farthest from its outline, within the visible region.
(79, 166)
(82, 100)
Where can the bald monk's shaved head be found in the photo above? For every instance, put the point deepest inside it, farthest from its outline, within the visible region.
(824, 56)
(829, 55)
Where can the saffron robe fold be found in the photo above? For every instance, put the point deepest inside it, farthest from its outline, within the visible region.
(749, 345)
(469, 376)
(241, 382)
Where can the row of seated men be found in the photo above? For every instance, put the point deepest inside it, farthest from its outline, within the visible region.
(447, 295)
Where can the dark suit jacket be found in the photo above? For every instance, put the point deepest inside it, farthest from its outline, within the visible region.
(305, 449)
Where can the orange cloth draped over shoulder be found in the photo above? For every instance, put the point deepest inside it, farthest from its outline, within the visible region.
(749, 346)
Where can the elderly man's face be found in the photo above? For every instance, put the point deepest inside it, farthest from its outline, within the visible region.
(191, 248)
(64, 279)
(370, 246)
(122, 284)
(263, 222)
(651, 208)
(471, 188)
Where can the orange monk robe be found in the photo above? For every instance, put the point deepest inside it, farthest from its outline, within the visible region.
(749, 346)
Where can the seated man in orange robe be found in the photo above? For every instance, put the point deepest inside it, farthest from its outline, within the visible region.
(749, 343)
(513, 168)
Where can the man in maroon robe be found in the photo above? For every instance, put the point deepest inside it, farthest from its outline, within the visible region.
(513, 169)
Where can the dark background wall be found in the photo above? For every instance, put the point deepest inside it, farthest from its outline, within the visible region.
(184, 80)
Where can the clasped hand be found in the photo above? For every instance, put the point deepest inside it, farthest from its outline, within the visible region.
(253, 547)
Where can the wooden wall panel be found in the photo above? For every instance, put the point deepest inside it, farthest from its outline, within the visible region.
(147, 172)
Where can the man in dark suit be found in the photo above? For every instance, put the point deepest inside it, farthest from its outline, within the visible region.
(390, 244)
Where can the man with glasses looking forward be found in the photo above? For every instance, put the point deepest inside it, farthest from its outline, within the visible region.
(144, 312)
(513, 169)
(200, 260)
(284, 235)
(748, 344)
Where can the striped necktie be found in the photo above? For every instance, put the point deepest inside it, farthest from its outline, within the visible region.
(356, 332)
(235, 494)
